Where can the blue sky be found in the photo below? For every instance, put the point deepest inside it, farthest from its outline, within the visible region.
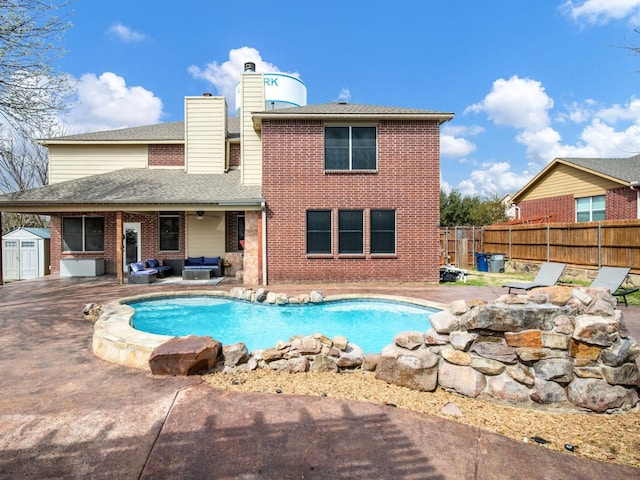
(528, 81)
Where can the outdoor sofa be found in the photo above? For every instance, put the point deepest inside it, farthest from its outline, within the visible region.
(163, 270)
(138, 274)
(196, 264)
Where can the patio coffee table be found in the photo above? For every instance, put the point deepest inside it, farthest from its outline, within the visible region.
(200, 274)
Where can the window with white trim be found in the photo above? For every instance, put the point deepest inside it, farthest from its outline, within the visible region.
(590, 209)
(350, 148)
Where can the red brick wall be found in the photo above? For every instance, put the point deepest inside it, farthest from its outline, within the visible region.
(234, 155)
(562, 208)
(149, 240)
(622, 203)
(166, 155)
(407, 180)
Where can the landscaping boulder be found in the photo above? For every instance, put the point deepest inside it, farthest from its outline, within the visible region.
(464, 380)
(418, 372)
(235, 354)
(599, 396)
(185, 356)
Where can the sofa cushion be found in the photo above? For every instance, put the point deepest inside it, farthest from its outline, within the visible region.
(137, 267)
(211, 261)
(194, 261)
(153, 263)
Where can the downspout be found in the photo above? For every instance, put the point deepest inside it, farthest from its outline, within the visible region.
(264, 243)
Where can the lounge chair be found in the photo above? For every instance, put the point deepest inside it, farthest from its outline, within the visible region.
(547, 276)
(612, 278)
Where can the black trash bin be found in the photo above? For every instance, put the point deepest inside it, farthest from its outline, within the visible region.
(481, 262)
(495, 262)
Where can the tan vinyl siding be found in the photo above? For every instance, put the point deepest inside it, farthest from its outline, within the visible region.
(206, 237)
(563, 179)
(251, 144)
(205, 134)
(69, 162)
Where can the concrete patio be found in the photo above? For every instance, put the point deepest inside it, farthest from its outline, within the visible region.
(67, 414)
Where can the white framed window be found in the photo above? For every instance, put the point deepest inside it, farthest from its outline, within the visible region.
(590, 209)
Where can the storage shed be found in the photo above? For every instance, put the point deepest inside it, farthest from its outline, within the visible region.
(25, 253)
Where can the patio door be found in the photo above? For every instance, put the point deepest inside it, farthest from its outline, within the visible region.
(132, 245)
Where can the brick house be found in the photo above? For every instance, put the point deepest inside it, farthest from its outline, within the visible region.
(582, 190)
(329, 192)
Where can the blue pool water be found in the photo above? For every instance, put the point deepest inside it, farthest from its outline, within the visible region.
(371, 324)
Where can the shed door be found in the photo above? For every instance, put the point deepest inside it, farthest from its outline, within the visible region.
(11, 260)
(28, 259)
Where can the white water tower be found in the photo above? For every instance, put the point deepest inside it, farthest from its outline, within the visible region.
(281, 90)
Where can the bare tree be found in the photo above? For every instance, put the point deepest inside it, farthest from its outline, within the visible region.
(32, 94)
(31, 34)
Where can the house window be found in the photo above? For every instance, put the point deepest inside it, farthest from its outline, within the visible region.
(350, 232)
(590, 209)
(83, 234)
(383, 231)
(318, 231)
(350, 148)
(169, 231)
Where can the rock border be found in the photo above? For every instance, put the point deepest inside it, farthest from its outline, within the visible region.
(550, 346)
(116, 341)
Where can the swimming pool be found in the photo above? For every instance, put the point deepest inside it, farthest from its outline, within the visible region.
(368, 323)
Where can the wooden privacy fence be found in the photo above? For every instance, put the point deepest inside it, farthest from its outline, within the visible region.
(458, 245)
(614, 243)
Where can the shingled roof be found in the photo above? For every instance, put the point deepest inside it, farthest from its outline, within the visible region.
(624, 169)
(151, 187)
(344, 109)
(172, 132)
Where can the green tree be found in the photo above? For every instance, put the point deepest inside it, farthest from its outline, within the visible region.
(459, 210)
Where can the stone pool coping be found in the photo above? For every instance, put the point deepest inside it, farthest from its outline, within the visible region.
(116, 341)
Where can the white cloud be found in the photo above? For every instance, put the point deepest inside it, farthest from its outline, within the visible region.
(495, 178)
(602, 11)
(106, 102)
(516, 102)
(451, 146)
(451, 142)
(344, 95)
(125, 34)
(226, 75)
(577, 112)
(524, 105)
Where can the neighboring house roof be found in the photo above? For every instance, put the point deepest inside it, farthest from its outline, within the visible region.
(138, 187)
(619, 170)
(625, 170)
(35, 231)
(343, 109)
